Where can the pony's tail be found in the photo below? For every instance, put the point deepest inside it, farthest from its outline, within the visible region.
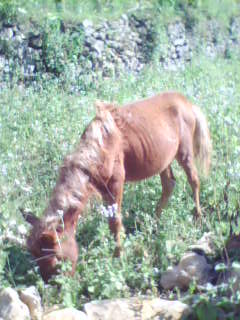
(202, 145)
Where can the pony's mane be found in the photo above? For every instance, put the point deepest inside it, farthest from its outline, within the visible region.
(74, 184)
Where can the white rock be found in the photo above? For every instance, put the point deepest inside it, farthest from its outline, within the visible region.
(32, 299)
(65, 314)
(11, 307)
(135, 308)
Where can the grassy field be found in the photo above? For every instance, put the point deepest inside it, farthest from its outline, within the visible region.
(39, 127)
(97, 10)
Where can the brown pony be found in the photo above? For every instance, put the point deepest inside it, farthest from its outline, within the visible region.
(130, 143)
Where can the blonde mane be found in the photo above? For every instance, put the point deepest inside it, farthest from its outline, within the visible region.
(74, 185)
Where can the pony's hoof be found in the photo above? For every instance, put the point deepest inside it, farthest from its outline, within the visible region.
(117, 252)
(158, 212)
(198, 217)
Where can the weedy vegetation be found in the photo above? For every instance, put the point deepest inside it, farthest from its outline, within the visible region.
(42, 122)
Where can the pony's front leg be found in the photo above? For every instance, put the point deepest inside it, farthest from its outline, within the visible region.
(115, 225)
(114, 194)
(115, 221)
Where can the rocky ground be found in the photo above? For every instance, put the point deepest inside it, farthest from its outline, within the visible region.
(109, 48)
(198, 266)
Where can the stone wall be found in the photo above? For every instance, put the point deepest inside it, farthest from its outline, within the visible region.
(109, 48)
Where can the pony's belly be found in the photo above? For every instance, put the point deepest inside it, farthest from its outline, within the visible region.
(135, 171)
(142, 165)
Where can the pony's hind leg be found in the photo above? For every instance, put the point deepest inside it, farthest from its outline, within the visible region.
(186, 160)
(168, 182)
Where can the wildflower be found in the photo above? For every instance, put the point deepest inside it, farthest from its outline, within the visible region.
(4, 170)
(60, 213)
(103, 211)
(17, 182)
(22, 229)
(12, 223)
(22, 10)
(9, 234)
(156, 271)
(27, 189)
(110, 211)
(228, 121)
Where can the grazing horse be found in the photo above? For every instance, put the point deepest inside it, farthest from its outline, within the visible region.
(130, 143)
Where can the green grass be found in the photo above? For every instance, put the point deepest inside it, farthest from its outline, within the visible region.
(38, 128)
(72, 10)
(97, 10)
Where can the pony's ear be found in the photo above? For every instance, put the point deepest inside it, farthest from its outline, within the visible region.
(100, 108)
(29, 217)
(70, 220)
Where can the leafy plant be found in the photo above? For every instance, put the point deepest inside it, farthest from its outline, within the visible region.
(8, 11)
(60, 48)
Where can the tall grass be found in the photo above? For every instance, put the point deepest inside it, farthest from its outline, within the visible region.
(38, 128)
(96, 10)
(43, 122)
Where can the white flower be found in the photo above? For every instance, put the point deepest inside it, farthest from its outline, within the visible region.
(17, 182)
(12, 223)
(103, 211)
(156, 271)
(27, 189)
(60, 213)
(110, 211)
(4, 170)
(115, 208)
(22, 229)
(21, 10)
(9, 234)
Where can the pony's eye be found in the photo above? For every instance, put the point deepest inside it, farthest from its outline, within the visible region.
(59, 229)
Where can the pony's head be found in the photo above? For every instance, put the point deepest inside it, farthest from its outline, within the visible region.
(52, 238)
(51, 241)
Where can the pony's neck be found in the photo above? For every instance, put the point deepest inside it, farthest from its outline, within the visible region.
(71, 193)
(81, 170)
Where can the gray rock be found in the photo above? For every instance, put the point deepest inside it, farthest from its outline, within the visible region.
(98, 46)
(6, 34)
(11, 307)
(205, 245)
(101, 35)
(89, 40)
(89, 31)
(179, 41)
(195, 266)
(35, 42)
(29, 70)
(169, 278)
(192, 267)
(18, 38)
